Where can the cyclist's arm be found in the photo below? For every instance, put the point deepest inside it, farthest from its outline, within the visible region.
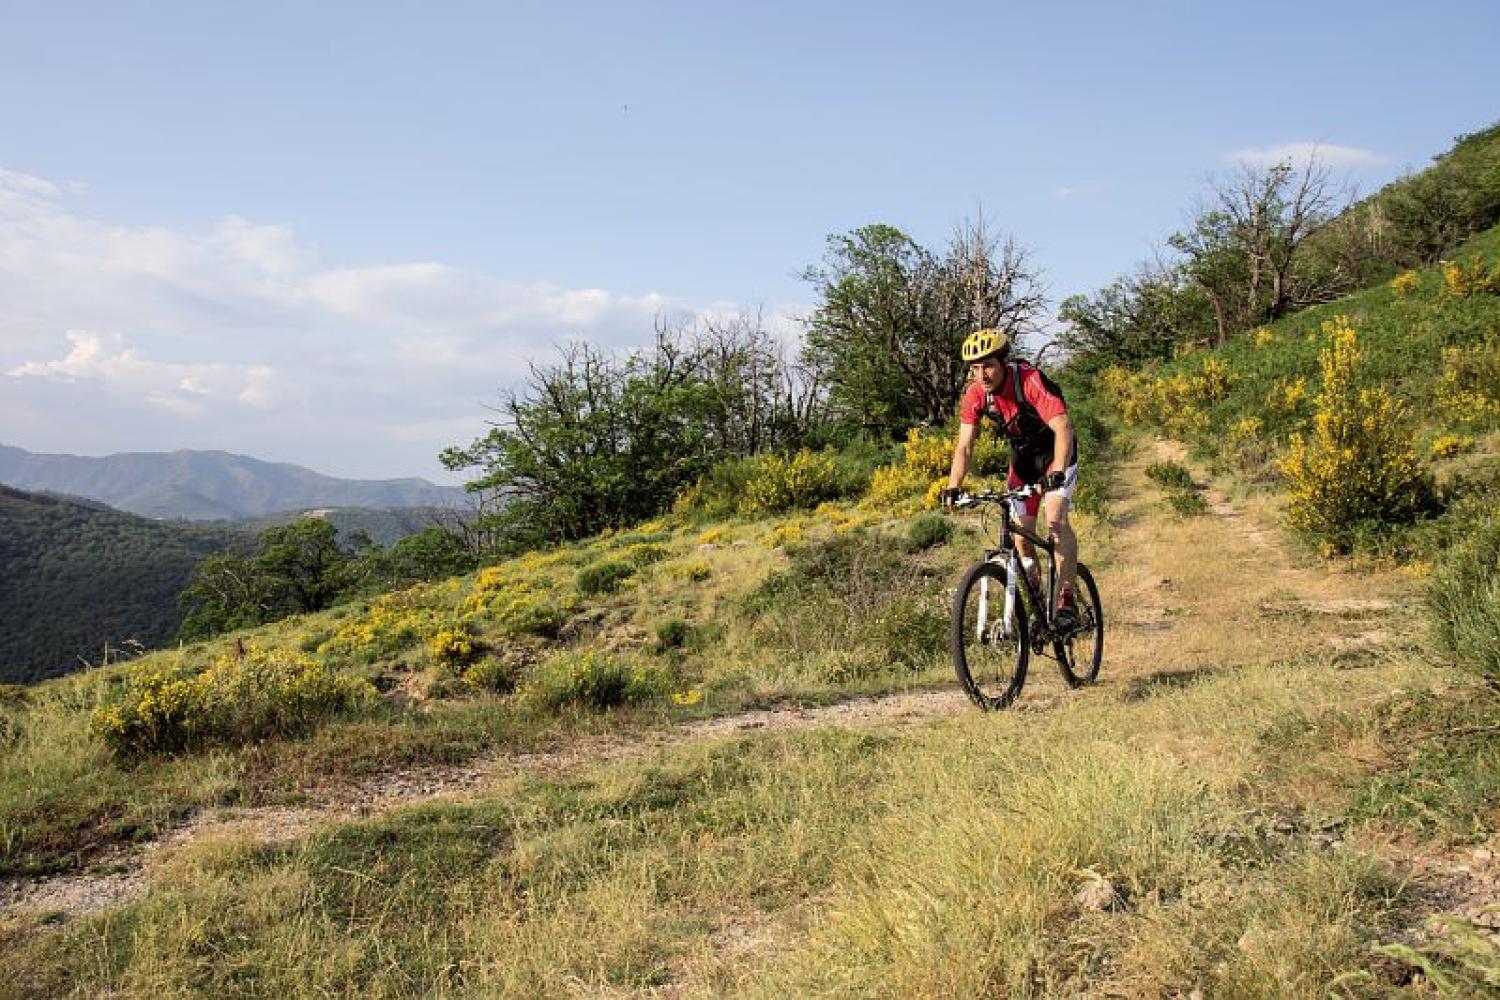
(1062, 446)
(963, 451)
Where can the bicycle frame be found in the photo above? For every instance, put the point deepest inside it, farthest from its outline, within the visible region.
(1013, 571)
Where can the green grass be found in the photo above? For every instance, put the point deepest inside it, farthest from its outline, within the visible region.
(839, 859)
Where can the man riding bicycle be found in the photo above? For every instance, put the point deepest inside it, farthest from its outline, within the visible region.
(1033, 417)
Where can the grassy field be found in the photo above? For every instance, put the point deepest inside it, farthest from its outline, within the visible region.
(1240, 807)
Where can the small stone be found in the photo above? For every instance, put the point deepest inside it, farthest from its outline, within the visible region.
(1097, 896)
(1483, 854)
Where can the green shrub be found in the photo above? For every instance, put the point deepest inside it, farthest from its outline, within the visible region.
(491, 674)
(927, 531)
(1171, 475)
(673, 633)
(593, 680)
(1463, 599)
(544, 619)
(235, 701)
(602, 577)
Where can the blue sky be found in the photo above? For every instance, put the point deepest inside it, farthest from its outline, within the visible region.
(331, 233)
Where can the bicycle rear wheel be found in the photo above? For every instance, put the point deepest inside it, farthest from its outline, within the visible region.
(1081, 651)
(990, 659)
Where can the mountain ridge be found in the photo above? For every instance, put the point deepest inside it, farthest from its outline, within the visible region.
(208, 485)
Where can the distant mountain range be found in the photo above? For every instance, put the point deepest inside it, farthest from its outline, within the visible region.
(209, 485)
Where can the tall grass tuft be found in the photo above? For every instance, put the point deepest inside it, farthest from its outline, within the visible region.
(1463, 600)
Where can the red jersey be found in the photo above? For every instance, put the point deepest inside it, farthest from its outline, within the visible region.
(1001, 405)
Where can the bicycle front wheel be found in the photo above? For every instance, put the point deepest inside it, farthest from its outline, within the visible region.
(1080, 652)
(989, 652)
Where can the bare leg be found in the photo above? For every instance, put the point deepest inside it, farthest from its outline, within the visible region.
(1065, 543)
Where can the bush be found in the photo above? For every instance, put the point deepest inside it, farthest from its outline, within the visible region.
(1359, 466)
(602, 577)
(491, 674)
(928, 531)
(1171, 475)
(926, 460)
(452, 646)
(1463, 600)
(593, 680)
(235, 701)
(673, 633)
(781, 483)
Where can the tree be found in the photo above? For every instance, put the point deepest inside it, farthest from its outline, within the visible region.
(1137, 318)
(593, 442)
(884, 338)
(297, 568)
(1244, 250)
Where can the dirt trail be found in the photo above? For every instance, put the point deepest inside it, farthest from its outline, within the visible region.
(1169, 615)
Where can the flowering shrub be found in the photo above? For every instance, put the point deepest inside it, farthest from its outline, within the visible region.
(451, 646)
(1448, 445)
(1173, 401)
(1358, 465)
(1262, 337)
(926, 460)
(519, 604)
(234, 701)
(1469, 390)
(694, 571)
(779, 483)
(1470, 277)
(1287, 396)
(1405, 283)
(643, 554)
(393, 623)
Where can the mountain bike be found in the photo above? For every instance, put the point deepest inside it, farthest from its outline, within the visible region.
(1002, 614)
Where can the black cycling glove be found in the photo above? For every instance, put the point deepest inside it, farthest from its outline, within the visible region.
(1054, 481)
(947, 495)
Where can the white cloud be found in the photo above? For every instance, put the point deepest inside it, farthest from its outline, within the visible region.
(246, 339)
(105, 361)
(1301, 153)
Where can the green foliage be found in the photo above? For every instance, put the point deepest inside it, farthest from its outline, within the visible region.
(885, 334)
(594, 441)
(296, 568)
(602, 577)
(1170, 475)
(928, 530)
(491, 674)
(1463, 599)
(434, 553)
(593, 680)
(235, 701)
(674, 633)
(78, 578)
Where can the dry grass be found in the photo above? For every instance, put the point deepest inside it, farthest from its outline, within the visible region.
(946, 859)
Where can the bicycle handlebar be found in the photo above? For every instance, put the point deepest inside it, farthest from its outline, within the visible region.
(998, 496)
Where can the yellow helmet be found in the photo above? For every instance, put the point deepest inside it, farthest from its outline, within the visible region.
(982, 343)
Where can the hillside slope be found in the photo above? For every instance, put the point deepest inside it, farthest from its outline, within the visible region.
(78, 576)
(208, 485)
(1207, 817)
